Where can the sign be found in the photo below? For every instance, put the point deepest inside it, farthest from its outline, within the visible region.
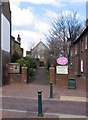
(5, 34)
(62, 60)
(62, 69)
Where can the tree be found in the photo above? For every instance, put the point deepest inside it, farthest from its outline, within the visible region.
(65, 30)
(31, 45)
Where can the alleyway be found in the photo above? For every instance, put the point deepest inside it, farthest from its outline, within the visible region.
(40, 78)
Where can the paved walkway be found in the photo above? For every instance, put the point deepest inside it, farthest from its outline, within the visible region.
(49, 106)
(21, 100)
(40, 78)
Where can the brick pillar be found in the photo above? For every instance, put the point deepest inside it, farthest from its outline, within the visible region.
(24, 74)
(52, 74)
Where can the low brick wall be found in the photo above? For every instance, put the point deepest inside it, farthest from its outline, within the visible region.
(15, 78)
(62, 80)
(59, 79)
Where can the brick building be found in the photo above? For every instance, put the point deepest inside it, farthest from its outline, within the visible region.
(16, 47)
(79, 55)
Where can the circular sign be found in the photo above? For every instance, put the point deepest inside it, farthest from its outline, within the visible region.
(62, 60)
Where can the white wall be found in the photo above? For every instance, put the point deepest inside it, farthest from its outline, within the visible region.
(5, 34)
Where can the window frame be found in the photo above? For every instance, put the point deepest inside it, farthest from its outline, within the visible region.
(86, 42)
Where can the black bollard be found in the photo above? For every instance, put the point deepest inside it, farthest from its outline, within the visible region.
(51, 90)
(40, 103)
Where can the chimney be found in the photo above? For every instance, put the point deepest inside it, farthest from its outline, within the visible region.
(19, 39)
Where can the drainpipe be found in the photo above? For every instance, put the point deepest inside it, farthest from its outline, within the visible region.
(79, 63)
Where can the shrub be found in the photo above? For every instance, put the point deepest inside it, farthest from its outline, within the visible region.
(30, 63)
(21, 61)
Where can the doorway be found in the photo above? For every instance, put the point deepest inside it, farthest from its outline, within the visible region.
(41, 64)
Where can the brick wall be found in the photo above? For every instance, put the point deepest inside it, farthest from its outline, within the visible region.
(82, 55)
(14, 78)
(62, 80)
(71, 71)
(52, 74)
(57, 78)
(24, 75)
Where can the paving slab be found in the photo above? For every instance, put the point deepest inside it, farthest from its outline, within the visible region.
(73, 98)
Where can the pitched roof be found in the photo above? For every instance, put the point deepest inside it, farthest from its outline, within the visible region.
(39, 44)
(85, 30)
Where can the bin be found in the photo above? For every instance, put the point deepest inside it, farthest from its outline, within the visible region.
(72, 83)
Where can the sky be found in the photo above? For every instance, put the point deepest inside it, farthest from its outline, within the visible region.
(32, 19)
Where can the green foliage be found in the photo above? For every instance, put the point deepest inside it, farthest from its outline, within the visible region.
(49, 62)
(48, 65)
(21, 61)
(32, 71)
(30, 63)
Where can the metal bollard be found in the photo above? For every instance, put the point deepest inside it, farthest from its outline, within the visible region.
(51, 90)
(40, 103)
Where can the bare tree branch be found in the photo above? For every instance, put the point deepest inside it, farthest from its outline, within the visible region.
(65, 29)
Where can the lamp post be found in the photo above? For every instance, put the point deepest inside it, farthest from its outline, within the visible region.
(0, 44)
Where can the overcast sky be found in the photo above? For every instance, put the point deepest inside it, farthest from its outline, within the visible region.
(33, 18)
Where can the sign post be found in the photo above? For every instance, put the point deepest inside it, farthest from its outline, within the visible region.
(62, 71)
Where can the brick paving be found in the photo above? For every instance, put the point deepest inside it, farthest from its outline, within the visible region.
(57, 106)
(21, 93)
(29, 90)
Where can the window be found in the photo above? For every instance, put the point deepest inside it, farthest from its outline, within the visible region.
(76, 49)
(5, 30)
(85, 42)
(82, 66)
